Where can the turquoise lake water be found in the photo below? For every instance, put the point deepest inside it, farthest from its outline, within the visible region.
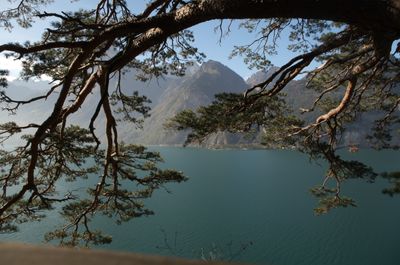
(254, 206)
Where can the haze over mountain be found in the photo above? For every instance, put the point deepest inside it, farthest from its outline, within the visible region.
(170, 95)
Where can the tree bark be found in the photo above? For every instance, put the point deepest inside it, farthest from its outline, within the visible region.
(375, 15)
(371, 14)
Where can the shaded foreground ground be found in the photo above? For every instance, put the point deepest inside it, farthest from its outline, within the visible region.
(21, 254)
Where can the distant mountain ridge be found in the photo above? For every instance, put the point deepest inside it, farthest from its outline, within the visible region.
(170, 95)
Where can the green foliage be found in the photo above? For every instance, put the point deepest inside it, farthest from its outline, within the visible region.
(305, 32)
(3, 80)
(339, 171)
(79, 238)
(328, 203)
(229, 113)
(82, 50)
(21, 12)
(119, 195)
(59, 159)
(173, 57)
(394, 179)
(53, 63)
(128, 105)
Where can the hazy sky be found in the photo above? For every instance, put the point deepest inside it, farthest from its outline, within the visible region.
(206, 39)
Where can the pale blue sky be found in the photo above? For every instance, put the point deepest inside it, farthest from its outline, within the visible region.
(206, 39)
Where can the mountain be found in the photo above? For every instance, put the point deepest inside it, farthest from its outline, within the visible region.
(36, 111)
(298, 97)
(192, 91)
(260, 76)
(170, 95)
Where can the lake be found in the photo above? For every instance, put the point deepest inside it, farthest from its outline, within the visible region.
(254, 206)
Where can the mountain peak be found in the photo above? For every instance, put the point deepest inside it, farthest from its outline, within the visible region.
(212, 63)
(213, 77)
(261, 75)
(212, 66)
